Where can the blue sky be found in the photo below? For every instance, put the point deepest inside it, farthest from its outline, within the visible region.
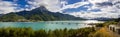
(23, 3)
(78, 8)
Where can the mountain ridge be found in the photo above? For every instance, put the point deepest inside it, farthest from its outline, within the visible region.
(37, 14)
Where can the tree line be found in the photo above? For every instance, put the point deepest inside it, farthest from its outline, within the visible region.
(29, 32)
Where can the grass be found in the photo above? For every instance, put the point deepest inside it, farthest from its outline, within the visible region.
(103, 32)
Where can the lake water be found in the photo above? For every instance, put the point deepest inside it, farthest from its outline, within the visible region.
(49, 24)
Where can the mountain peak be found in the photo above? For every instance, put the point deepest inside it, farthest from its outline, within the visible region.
(41, 8)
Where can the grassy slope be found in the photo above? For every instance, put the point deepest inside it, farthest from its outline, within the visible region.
(104, 32)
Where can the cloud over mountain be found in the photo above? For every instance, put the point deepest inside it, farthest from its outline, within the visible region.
(78, 8)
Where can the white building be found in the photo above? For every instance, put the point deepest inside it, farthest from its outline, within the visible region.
(115, 28)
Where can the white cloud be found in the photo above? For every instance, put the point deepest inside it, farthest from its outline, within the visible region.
(63, 3)
(106, 11)
(56, 5)
(6, 7)
(93, 2)
(51, 5)
(75, 5)
(91, 15)
(97, 1)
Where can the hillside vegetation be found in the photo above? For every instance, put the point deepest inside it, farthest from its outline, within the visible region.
(38, 14)
(28, 32)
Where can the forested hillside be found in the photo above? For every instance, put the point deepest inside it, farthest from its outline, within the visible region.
(38, 14)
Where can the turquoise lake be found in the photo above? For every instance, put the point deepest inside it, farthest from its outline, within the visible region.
(49, 25)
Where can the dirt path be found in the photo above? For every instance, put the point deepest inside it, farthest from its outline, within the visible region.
(113, 33)
(105, 31)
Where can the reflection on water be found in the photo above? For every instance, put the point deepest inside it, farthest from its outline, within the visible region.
(48, 24)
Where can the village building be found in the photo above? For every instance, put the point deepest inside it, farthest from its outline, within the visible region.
(115, 28)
